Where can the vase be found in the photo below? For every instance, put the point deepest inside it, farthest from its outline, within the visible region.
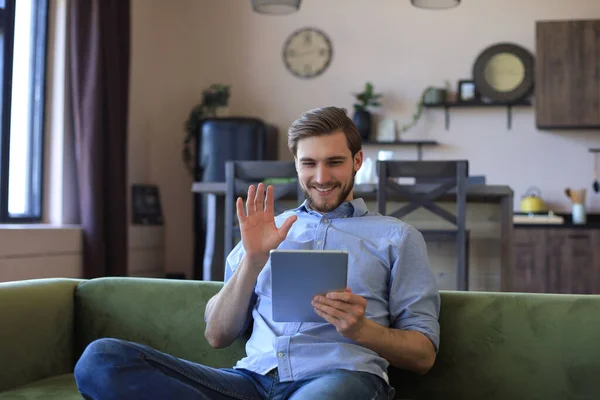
(362, 120)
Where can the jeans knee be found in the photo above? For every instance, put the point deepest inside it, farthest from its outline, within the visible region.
(99, 360)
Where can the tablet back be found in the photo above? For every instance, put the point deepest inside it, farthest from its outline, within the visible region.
(298, 275)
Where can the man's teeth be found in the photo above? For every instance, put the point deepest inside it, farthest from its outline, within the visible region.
(324, 190)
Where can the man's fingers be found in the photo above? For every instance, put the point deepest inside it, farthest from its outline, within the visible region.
(259, 199)
(239, 207)
(287, 224)
(347, 297)
(331, 311)
(347, 308)
(270, 201)
(250, 200)
(326, 317)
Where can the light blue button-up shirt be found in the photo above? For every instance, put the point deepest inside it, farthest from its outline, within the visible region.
(387, 265)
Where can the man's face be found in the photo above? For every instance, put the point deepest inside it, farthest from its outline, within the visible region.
(326, 170)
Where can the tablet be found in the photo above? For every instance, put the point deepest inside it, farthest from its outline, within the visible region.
(297, 276)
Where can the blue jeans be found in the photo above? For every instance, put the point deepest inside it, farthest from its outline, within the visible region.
(117, 369)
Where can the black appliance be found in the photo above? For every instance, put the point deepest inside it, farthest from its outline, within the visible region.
(221, 140)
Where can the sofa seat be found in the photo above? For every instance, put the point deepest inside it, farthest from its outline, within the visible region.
(57, 387)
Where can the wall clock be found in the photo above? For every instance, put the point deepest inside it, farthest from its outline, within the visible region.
(504, 73)
(307, 53)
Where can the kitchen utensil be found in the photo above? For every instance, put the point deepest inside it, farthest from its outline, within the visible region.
(532, 201)
(576, 196)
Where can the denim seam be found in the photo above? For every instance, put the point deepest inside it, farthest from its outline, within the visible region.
(274, 383)
(377, 392)
(205, 384)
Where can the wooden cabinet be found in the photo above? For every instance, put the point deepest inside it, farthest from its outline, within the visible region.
(557, 260)
(567, 76)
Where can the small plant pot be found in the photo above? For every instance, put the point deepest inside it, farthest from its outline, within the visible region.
(362, 120)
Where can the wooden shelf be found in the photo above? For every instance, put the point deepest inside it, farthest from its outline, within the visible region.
(479, 104)
(418, 143)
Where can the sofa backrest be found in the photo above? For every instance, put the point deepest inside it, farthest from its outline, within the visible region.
(493, 345)
(512, 346)
(165, 314)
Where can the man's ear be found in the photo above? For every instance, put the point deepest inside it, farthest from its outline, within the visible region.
(358, 160)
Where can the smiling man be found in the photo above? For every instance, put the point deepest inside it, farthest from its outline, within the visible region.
(387, 316)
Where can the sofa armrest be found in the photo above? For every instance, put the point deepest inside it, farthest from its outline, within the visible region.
(36, 334)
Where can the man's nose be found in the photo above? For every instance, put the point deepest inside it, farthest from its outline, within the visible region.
(322, 175)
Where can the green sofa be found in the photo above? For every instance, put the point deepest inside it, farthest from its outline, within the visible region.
(493, 345)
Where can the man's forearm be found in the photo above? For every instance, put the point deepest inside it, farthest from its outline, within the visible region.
(227, 311)
(401, 348)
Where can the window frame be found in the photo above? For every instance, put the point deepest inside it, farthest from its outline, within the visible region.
(37, 110)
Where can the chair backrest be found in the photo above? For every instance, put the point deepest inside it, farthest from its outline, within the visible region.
(239, 175)
(453, 183)
(452, 175)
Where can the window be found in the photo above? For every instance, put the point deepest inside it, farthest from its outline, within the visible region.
(22, 75)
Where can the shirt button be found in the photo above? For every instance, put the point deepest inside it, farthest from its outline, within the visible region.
(319, 242)
(280, 354)
(325, 220)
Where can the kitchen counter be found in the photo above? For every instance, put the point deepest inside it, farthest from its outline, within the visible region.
(593, 222)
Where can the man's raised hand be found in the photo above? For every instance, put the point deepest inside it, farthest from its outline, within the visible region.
(260, 235)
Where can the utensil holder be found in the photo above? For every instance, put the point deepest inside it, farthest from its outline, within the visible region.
(578, 214)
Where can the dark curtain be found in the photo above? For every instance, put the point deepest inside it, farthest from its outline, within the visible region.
(99, 72)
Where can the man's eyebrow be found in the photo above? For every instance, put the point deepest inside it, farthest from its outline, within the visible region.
(333, 158)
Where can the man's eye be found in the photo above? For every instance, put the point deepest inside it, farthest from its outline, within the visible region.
(308, 164)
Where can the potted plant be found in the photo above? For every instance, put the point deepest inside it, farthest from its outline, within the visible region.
(430, 95)
(362, 116)
(214, 98)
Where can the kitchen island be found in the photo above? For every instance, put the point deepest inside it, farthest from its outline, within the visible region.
(489, 221)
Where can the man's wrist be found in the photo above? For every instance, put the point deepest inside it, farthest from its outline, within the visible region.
(257, 260)
(369, 331)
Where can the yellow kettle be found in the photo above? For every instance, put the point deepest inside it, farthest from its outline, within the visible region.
(532, 201)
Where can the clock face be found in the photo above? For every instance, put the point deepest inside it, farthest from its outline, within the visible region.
(307, 53)
(505, 72)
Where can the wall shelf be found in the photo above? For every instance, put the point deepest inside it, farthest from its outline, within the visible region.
(418, 143)
(479, 104)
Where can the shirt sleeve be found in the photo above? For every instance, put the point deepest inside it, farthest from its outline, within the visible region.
(414, 298)
(233, 260)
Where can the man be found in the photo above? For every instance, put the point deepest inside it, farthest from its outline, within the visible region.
(388, 314)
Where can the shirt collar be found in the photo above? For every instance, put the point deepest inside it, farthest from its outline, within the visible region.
(353, 208)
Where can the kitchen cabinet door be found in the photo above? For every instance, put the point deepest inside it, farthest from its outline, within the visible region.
(572, 261)
(567, 74)
(530, 261)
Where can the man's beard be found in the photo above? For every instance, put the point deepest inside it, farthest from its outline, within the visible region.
(326, 207)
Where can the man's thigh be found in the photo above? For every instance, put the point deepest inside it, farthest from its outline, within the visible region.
(341, 384)
(128, 364)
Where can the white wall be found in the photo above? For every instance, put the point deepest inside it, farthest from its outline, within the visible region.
(179, 48)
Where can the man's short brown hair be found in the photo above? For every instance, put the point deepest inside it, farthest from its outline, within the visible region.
(324, 121)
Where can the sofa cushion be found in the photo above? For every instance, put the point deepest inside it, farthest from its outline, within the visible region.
(165, 314)
(60, 387)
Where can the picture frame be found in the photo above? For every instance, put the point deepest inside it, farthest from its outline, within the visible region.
(467, 91)
(146, 205)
